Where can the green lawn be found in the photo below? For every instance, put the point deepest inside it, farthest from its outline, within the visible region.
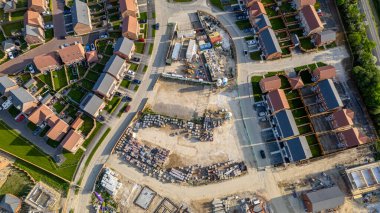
(286, 7)
(307, 44)
(145, 68)
(321, 64)
(49, 34)
(93, 76)
(217, 3)
(17, 183)
(15, 144)
(290, 19)
(112, 104)
(139, 47)
(306, 77)
(303, 120)
(256, 88)
(98, 68)
(88, 124)
(304, 129)
(267, 1)
(277, 23)
(114, 34)
(89, 139)
(125, 83)
(143, 16)
(105, 59)
(53, 143)
(18, 15)
(48, 18)
(22, 3)
(285, 51)
(284, 82)
(133, 67)
(315, 150)
(59, 77)
(76, 94)
(136, 88)
(299, 113)
(290, 94)
(271, 12)
(243, 24)
(46, 79)
(87, 84)
(311, 140)
(109, 50)
(150, 48)
(13, 27)
(256, 55)
(58, 106)
(295, 103)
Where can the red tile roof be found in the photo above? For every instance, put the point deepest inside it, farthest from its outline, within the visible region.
(296, 82)
(42, 113)
(33, 18)
(353, 137)
(72, 54)
(269, 84)
(277, 100)
(130, 24)
(57, 131)
(92, 56)
(78, 122)
(127, 5)
(342, 118)
(72, 141)
(324, 72)
(47, 62)
(311, 17)
(256, 9)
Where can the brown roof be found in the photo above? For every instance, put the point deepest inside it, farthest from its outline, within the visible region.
(269, 84)
(130, 24)
(33, 18)
(325, 72)
(57, 131)
(78, 122)
(40, 3)
(353, 137)
(127, 5)
(47, 61)
(42, 113)
(343, 117)
(256, 9)
(72, 141)
(71, 53)
(52, 120)
(306, 2)
(296, 82)
(92, 56)
(250, 2)
(311, 17)
(277, 100)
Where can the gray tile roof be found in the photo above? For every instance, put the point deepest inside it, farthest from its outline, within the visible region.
(298, 148)
(10, 203)
(115, 66)
(91, 104)
(105, 84)
(20, 96)
(269, 42)
(286, 125)
(262, 21)
(6, 82)
(80, 13)
(124, 45)
(330, 94)
(7, 44)
(327, 35)
(34, 31)
(327, 198)
(30, 83)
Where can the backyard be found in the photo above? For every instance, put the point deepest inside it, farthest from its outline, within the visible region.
(256, 88)
(17, 183)
(60, 80)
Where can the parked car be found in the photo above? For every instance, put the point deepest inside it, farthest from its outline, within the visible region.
(245, 52)
(131, 73)
(127, 108)
(262, 153)
(66, 45)
(135, 59)
(31, 69)
(10, 55)
(127, 98)
(157, 26)
(142, 21)
(103, 36)
(136, 81)
(20, 118)
(7, 104)
(92, 46)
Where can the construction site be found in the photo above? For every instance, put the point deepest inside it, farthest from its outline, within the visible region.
(200, 50)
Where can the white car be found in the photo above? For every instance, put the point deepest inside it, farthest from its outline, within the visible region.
(31, 69)
(103, 36)
(49, 26)
(6, 104)
(131, 73)
(10, 55)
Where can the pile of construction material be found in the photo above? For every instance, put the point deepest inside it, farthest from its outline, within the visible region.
(110, 182)
(201, 129)
(252, 205)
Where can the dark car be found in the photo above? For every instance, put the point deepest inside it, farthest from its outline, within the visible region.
(135, 59)
(127, 98)
(142, 21)
(262, 153)
(157, 26)
(136, 81)
(127, 108)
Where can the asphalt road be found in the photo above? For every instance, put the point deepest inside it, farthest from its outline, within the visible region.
(371, 29)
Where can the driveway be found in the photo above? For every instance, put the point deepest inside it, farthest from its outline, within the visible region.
(18, 64)
(58, 19)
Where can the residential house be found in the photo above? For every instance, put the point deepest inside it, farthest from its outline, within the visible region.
(323, 199)
(128, 8)
(310, 20)
(249, 3)
(72, 141)
(10, 6)
(299, 4)
(363, 179)
(325, 72)
(297, 149)
(116, 67)
(81, 18)
(327, 95)
(277, 101)
(34, 35)
(130, 28)
(92, 57)
(270, 83)
(30, 84)
(342, 118)
(325, 37)
(8, 45)
(261, 23)
(10, 204)
(72, 54)
(352, 137)
(33, 18)
(105, 86)
(23, 100)
(255, 9)
(124, 48)
(285, 124)
(48, 62)
(269, 44)
(78, 122)
(92, 105)
(295, 82)
(6, 85)
(58, 130)
(39, 6)
(41, 114)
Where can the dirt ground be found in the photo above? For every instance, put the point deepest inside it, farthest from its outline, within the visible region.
(172, 101)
